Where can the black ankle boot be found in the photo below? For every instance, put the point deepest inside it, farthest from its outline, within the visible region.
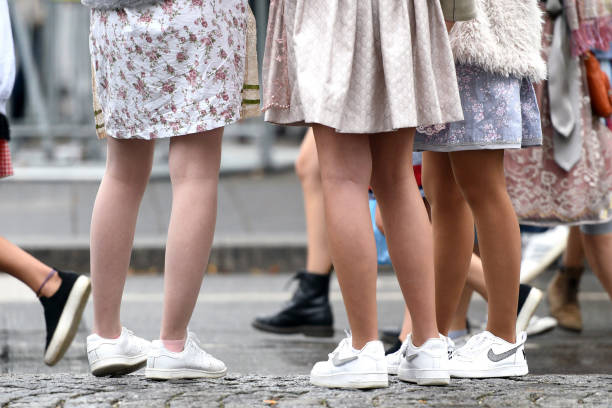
(308, 312)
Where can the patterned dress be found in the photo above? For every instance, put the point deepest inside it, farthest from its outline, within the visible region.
(499, 113)
(171, 69)
(542, 192)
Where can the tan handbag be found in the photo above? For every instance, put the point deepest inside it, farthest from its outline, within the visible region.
(250, 89)
(98, 114)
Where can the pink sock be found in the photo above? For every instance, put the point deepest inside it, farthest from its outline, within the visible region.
(174, 345)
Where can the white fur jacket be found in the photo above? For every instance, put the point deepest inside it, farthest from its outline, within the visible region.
(505, 38)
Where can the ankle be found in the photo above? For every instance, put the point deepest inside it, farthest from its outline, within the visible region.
(419, 338)
(50, 284)
(360, 343)
(175, 346)
(109, 333)
(509, 336)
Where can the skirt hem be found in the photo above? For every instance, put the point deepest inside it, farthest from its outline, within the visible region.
(166, 135)
(457, 148)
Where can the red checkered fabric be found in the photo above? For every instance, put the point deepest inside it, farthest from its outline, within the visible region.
(6, 167)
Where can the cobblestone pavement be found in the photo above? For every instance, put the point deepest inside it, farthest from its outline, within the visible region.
(222, 320)
(65, 390)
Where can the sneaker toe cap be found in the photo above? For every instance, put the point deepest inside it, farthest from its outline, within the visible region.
(217, 365)
(320, 367)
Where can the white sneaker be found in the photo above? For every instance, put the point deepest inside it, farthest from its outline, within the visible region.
(487, 356)
(425, 365)
(450, 344)
(119, 356)
(541, 250)
(349, 368)
(394, 359)
(192, 362)
(538, 325)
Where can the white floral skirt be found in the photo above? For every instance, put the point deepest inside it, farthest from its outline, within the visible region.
(171, 69)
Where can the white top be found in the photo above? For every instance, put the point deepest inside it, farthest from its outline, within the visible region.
(7, 57)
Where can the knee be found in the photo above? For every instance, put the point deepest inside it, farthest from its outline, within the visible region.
(480, 194)
(443, 194)
(194, 174)
(134, 177)
(307, 166)
(387, 180)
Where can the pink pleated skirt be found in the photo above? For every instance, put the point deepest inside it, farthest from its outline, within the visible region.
(364, 66)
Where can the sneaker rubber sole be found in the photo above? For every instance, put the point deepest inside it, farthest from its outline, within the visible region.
(69, 321)
(498, 372)
(118, 365)
(306, 330)
(351, 380)
(181, 373)
(392, 369)
(424, 376)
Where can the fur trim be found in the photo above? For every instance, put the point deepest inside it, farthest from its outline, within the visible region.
(117, 4)
(505, 38)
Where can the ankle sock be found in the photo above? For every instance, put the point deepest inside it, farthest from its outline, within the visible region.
(453, 334)
(175, 346)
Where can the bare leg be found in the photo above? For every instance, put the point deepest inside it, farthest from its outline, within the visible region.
(475, 282)
(346, 165)
(480, 175)
(476, 278)
(378, 220)
(407, 227)
(128, 166)
(460, 319)
(407, 322)
(598, 250)
(406, 325)
(574, 253)
(318, 260)
(194, 171)
(23, 266)
(453, 232)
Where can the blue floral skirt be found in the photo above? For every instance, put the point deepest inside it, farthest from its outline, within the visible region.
(499, 113)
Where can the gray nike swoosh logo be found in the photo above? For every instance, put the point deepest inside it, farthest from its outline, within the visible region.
(499, 357)
(341, 361)
(411, 357)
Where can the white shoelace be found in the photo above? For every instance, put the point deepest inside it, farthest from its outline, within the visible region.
(472, 345)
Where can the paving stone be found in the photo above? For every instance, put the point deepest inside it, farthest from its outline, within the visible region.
(82, 390)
